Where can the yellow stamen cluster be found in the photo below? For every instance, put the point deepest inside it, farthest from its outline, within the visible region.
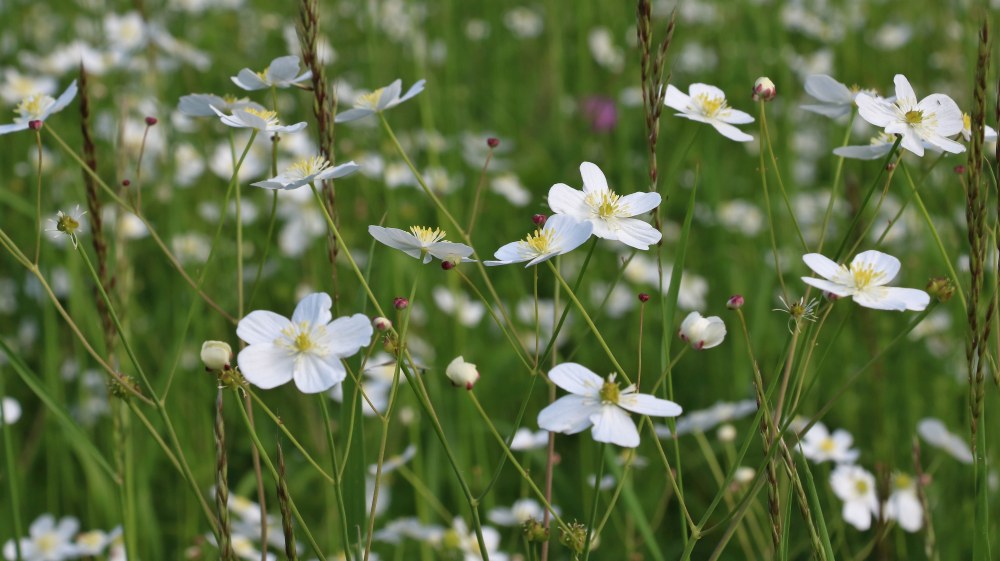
(865, 275)
(966, 122)
(34, 106)
(610, 392)
(914, 117)
(604, 203)
(710, 106)
(270, 116)
(47, 543)
(902, 481)
(66, 223)
(368, 100)
(541, 241)
(426, 235)
(827, 445)
(262, 75)
(861, 486)
(308, 166)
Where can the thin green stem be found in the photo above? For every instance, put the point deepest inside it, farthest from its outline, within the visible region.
(864, 203)
(593, 505)
(766, 135)
(337, 491)
(38, 199)
(10, 469)
(833, 186)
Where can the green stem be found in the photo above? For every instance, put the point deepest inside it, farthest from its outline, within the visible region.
(337, 491)
(38, 201)
(833, 186)
(864, 203)
(593, 505)
(11, 476)
(766, 135)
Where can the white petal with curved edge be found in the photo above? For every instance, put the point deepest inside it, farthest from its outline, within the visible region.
(13, 127)
(832, 111)
(638, 203)
(349, 334)
(914, 299)
(248, 80)
(945, 144)
(265, 365)
(283, 69)
(389, 96)
(449, 250)
(857, 514)
(571, 232)
(904, 92)
(416, 88)
(825, 88)
(564, 199)
(645, 404)
(821, 265)
(866, 152)
(605, 229)
(731, 132)
(314, 308)
(352, 115)
(288, 128)
(343, 170)
(735, 117)
(614, 426)
(875, 110)
(397, 239)
(261, 326)
(593, 178)
(904, 507)
(910, 141)
(676, 99)
(879, 298)
(576, 379)
(514, 252)
(879, 262)
(569, 414)
(64, 99)
(314, 374)
(637, 233)
(707, 90)
(946, 112)
(832, 287)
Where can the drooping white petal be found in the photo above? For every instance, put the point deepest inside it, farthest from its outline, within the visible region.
(821, 265)
(416, 88)
(397, 239)
(348, 334)
(593, 178)
(314, 374)
(879, 298)
(832, 111)
(261, 326)
(614, 426)
(63, 100)
(352, 114)
(249, 80)
(736, 117)
(731, 132)
(266, 365)
(282, 70)
(857, 514)
(904, 507)
(314, 308)
(569, 414)
(913, 299)
(513, 252)
(13, 127)
(645, 404)
(576, 379)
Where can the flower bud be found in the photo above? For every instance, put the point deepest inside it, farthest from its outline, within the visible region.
(890, 166)
(830, 297)
(959, 170)
(150, 121)
(539, 220)
(643, 297)
(35, 124)
(462, 373)
(735, 302)
(763, 89)
(400, 303)
(744, 474)
(447, 264)
(941, 288)
(126, 182)
(534, 531)
(726, 433)
(493, 142)
(216, 355)
(574, 536)
(702, 332)
(382, 324)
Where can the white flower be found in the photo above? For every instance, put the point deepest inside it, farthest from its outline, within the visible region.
(707, 104)
(38, 107)
(864, 280)
(704, 420)
(609, 213)
(561, 234)
(46, 540)
(281, 73)
(935, 433)
(251, 118)
(66, 224)
(423, 243)
(379, 101)
(930, 120)
(856, 487)
(11, 411)
(819, 445)
(216, 355)
(701, 332)
(526, 439)
(467, 311)
(200, 105)
(989, 133)
(462, 373)
(306, 171)
(879, 146)
(520, 512)
(379, 372)
(903, 504)
(95, 542)
(16, 86)
(600, 403)
(837, 99)
(460, 538)
(308, 348)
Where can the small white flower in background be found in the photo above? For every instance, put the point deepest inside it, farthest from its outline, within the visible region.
(865, 281)
(281, 73)
(379, 372)
(594, 401)
(15, 86)
(200, 105)
(11, 411)
(38, 107)
(379, 100)
(251, 118)
(706, 419)
(707, 104)
(462, 373)
(560, 234)
(95, 542)
(459, 537)
(744, 474)
(935, 433)
(989, 133)
(307, 349)
(930, 120)
(508, 186)
(820, 446)
(216, 355)
(836, 99)
(457, 303)
(520, 512)
(66, 224)
(306, 171)
(392, 463)
(879, 146)
(701, 332)
(527, 439)
(395, 531)
(606, 483)
(903, 504)
(856, 487)
(524, 22)
(46, 541)
(609, 213)
(423, 243)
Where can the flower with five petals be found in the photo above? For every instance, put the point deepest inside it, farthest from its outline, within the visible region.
(379, 101)
(423, 243)
(38, 107)
(281, 73)
(865, 281)
(930, 120)
(707, 104)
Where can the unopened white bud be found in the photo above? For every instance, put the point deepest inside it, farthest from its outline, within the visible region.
(702, 332)
(462, 373)
(763, 89)
(726, 433)
(382, 324)
(216, 355)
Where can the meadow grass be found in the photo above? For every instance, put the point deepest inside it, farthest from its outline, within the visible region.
(119, 424)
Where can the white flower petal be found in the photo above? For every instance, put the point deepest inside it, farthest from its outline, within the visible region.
(731, 132)
(347, 335)
(352, 115)
(63, 100)
(857, 515)
(314, 308)
(914, 299)
(825, 88)
(261, 326)
(676, 99)
(876, 111)
(636, 233)
(397, 239)
(266, 365)
(416, 88)
(645, 404)
(821, 265)
(614, 426)
(829, 286)
(736, 117)
(709, 91)
(249, 80)
(282, 70)
(904, 92)
(593, 178)
(879, 298)
(569, 414)
(832, 111)
(866, 152)
(313, 374)
(639, 203)
(389, 95)
(576, 379)
(564, 199)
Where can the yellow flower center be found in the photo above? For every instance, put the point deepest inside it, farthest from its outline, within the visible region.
(604, 203)
(262, 75)
(230, 99)
(269, 116)
(914, 117)
(47, 543)
(368, 100)
(308, 166)
(303, 343)
(66, 223)
(33, 107)
(966, 122)
(302, 338)
(882, 138)
(710, 106)
(864, 275)
(541, 241)
(902, 481)
(610, 392)
(426, 235)
(827, 445)
(90, 539)
(861, 486)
